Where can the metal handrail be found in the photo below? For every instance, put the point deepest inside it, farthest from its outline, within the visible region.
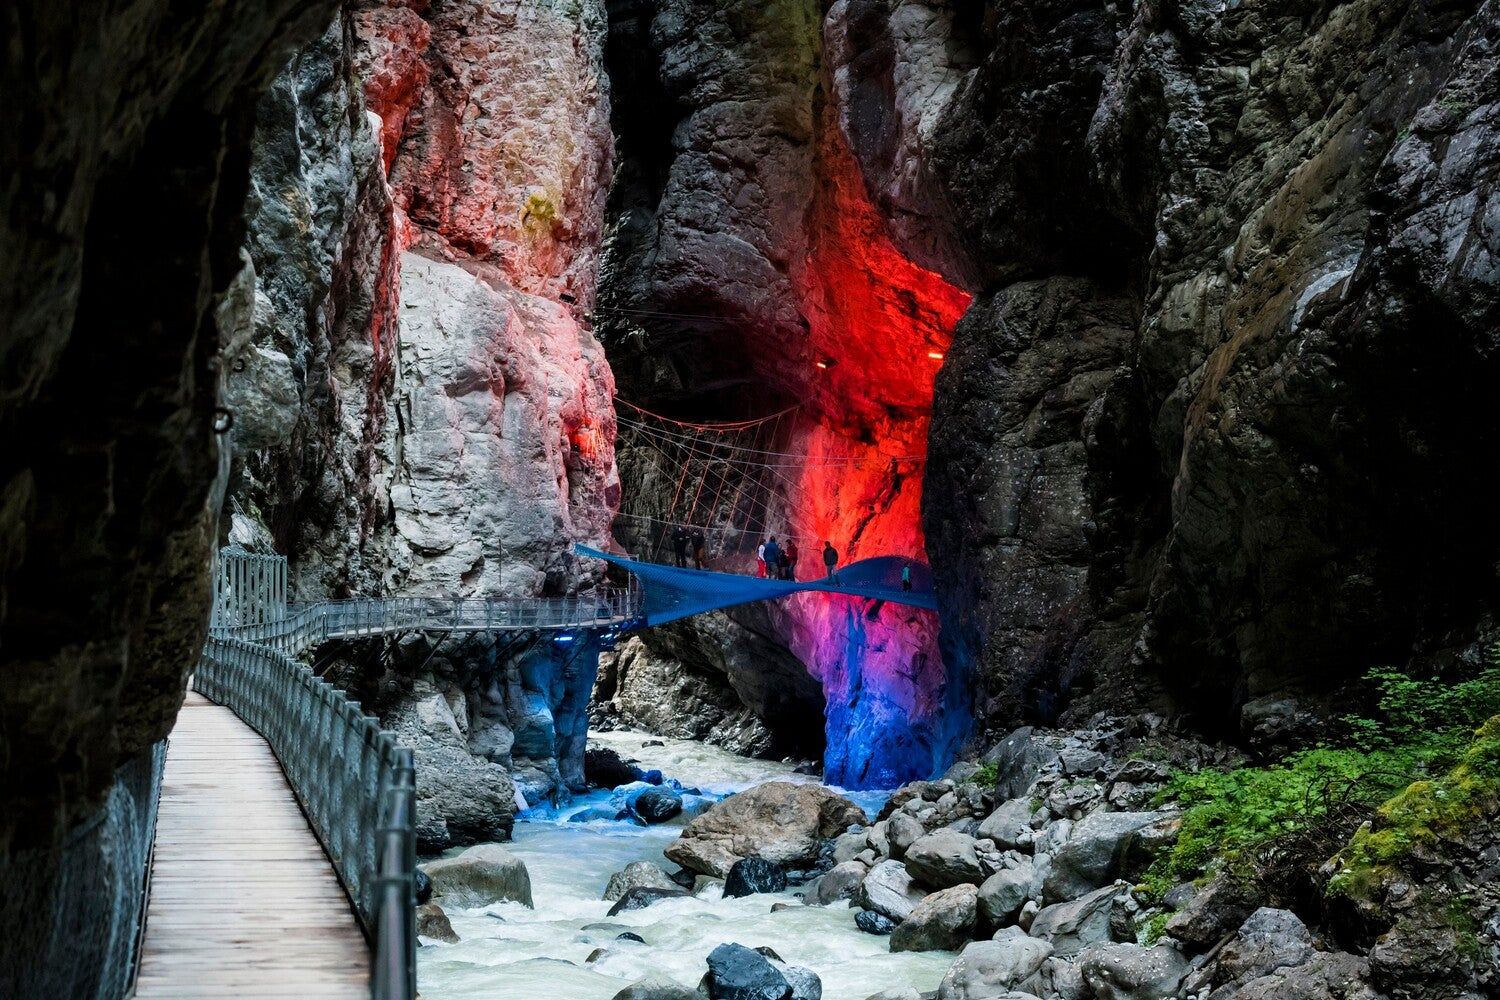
(356, 786)
(307, 625)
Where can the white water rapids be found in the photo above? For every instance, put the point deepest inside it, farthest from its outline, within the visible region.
(509, 950)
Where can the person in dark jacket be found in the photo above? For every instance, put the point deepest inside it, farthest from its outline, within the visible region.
(831, 561)
(699, 542)
(772, 555)
(680, 545)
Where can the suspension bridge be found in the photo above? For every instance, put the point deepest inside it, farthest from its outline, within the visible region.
(280, 854)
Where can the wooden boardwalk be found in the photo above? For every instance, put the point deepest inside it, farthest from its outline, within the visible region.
(244, 902)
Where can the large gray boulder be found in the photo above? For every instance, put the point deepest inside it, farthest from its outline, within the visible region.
(1094, 853)
(1270, 939)
(988, 970)
(482, 875)
(1002, 895)
(778, 821)
(739, 973)
(657, 988)
(1325, 976)
(839, 883)
(433, 923)
(637, 874)
(1212, 912)
(1009, 826)
(1020, 759)
(1074, 925)
(888, 890)
(902, 830)
(942, 921)
(944, 858)
(1132, 972)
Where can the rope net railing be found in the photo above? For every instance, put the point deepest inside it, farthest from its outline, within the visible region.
(711, 493)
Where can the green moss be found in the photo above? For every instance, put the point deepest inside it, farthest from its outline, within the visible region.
(1155, 928)
(1424, 813)
(987, 776)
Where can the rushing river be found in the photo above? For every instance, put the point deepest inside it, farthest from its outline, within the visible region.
(509, 950)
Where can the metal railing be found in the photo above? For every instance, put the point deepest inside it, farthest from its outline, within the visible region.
(356, 786)
(306, 625)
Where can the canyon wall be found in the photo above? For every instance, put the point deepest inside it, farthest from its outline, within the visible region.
(127, 137)
(750, 270)
(1214, 434)
(1206, 440)
(420, 406)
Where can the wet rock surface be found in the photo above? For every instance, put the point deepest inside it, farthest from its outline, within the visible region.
(481, 875)
(777, 821)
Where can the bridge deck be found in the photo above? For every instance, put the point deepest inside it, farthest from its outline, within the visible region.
(244, 902)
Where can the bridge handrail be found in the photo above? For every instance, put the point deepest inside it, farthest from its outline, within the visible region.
(305, 625)
(356, 786)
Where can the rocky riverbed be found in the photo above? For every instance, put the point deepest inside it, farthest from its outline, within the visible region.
(1017, 876)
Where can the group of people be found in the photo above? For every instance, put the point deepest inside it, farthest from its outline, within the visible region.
(772, 560)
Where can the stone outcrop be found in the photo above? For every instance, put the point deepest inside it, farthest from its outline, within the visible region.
(125, 163)
(480, 876)
(425, 410)
(1206, 242)
(777, 821)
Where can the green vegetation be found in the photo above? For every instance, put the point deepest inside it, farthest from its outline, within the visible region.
(1154, 929)
(1274, 825)
(987, 776)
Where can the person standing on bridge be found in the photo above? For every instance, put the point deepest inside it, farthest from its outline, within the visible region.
(790, 557)
(831, 560)
(906, 577)
(772, 556)
(680, 545)
(760, 559)
(699, 542)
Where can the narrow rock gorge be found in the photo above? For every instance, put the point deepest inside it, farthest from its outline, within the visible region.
(1161, 334)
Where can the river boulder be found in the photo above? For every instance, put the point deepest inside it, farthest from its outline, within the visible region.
(839, 883)
(604, 768)
(1095, 853)
(1132, 972)
(989, 970)
(1074, 925)
(874, 923)
(657, 804)
(638, 874)
(902, 830)
(433, 923)
(748, 876)
(1002, 895)
(942, 921)
(643, 896)
(657, 988)
(1009, 826)
(778, 821)
(944, 858)
(739, 973)
(482, 875)
(888, 890)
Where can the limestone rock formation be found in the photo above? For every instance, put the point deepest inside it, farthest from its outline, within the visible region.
(480, 876)
(425, 411)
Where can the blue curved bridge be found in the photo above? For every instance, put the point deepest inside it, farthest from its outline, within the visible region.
(673, 592)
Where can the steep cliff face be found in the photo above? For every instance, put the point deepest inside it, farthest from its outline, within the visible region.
(750, 269)
(1212, 433)
(127, 137)
(421, 408)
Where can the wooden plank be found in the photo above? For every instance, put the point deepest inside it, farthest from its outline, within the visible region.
(243, 900)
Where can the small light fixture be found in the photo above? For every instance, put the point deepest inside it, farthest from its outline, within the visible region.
(935, 355)
(826, 362)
